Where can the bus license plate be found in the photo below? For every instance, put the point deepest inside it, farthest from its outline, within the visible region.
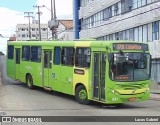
(132, 99)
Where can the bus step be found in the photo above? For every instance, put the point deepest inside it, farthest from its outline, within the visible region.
(47, 88)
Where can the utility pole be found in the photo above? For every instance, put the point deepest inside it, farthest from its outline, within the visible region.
(53, 22)
(29, 16)
(39, 14)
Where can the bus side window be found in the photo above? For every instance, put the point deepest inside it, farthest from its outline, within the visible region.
(67, 56)
(57, 55)
(10, 52)
(25, 53)
(83, 57)
(36, 54)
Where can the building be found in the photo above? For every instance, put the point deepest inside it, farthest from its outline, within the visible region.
(137, 20)
(23, 33)
(12, 38)
(155, 68)
(65, 30)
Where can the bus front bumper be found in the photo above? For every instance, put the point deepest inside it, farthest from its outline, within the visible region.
(117, 97)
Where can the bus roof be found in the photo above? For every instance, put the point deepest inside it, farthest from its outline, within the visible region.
(83, 43)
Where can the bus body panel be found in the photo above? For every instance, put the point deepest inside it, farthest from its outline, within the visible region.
(81, 76)
(65, 78)
(56, 78)
(10, 68)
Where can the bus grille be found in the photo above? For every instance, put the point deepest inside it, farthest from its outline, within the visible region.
(133, 87)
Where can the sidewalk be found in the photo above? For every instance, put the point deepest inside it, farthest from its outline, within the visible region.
(155, 94)
(0, 78)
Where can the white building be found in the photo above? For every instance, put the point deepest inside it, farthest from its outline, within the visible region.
(22, 31)
(137, 20)
(65, 30)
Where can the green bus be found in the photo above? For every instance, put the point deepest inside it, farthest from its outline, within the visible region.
(109, 72)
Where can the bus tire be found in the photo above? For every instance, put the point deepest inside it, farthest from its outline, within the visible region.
(81, 95)
(29, 81)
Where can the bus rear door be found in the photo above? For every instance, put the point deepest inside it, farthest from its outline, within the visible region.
(99, 68)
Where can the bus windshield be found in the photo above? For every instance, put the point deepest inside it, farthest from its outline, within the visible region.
(130, 66)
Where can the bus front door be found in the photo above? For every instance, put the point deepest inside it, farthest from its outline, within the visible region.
(17, 64)
(47, 66)
(99, 68)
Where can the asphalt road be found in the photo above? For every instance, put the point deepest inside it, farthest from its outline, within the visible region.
(17, 100)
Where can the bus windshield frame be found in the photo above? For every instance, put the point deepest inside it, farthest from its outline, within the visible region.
(130, 66)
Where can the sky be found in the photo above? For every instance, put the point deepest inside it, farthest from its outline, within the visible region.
(12, 13)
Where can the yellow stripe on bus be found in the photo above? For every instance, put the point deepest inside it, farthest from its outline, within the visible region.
(79, 78)
(131, 91)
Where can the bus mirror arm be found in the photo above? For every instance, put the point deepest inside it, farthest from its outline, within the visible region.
(110, 57)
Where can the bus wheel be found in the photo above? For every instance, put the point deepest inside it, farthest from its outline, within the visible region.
(81, 95)
(29, 82)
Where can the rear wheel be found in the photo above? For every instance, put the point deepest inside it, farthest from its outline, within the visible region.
(81, 95)
(29, 81)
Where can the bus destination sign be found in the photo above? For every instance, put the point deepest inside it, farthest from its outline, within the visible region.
(130, 46)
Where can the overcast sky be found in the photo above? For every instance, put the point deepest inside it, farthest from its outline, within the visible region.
(12, 12)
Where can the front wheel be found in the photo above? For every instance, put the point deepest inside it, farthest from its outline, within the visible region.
(81, 95)
(29, 81)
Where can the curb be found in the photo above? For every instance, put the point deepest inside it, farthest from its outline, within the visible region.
(155, 99)
(158, 93)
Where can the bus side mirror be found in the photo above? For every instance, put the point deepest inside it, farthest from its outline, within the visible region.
(110, 57)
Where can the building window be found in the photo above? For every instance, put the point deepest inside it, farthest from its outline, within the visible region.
(110, 37)
(33, 35)
(92, 20)
(68, 56)
(33, 29)
(57, 55)
(107, 13)
(36, 54)
(44, 29)
(10, 52)
(144, 2)
(120, 35)
(131, 34)
(135, 4)
(23, 35)
(82, 57)
(149, 1)
(110, 11)
(117, 36)
(145, 32)
(84, 2)
(140, 34)
(126, 5)
(116, 9)
(23, 29)
(25, 53)
(155, 30)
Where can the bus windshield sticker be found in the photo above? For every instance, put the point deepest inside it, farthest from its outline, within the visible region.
(122, 77)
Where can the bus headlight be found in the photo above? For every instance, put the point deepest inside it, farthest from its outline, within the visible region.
(114, 92)
(147, 89)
